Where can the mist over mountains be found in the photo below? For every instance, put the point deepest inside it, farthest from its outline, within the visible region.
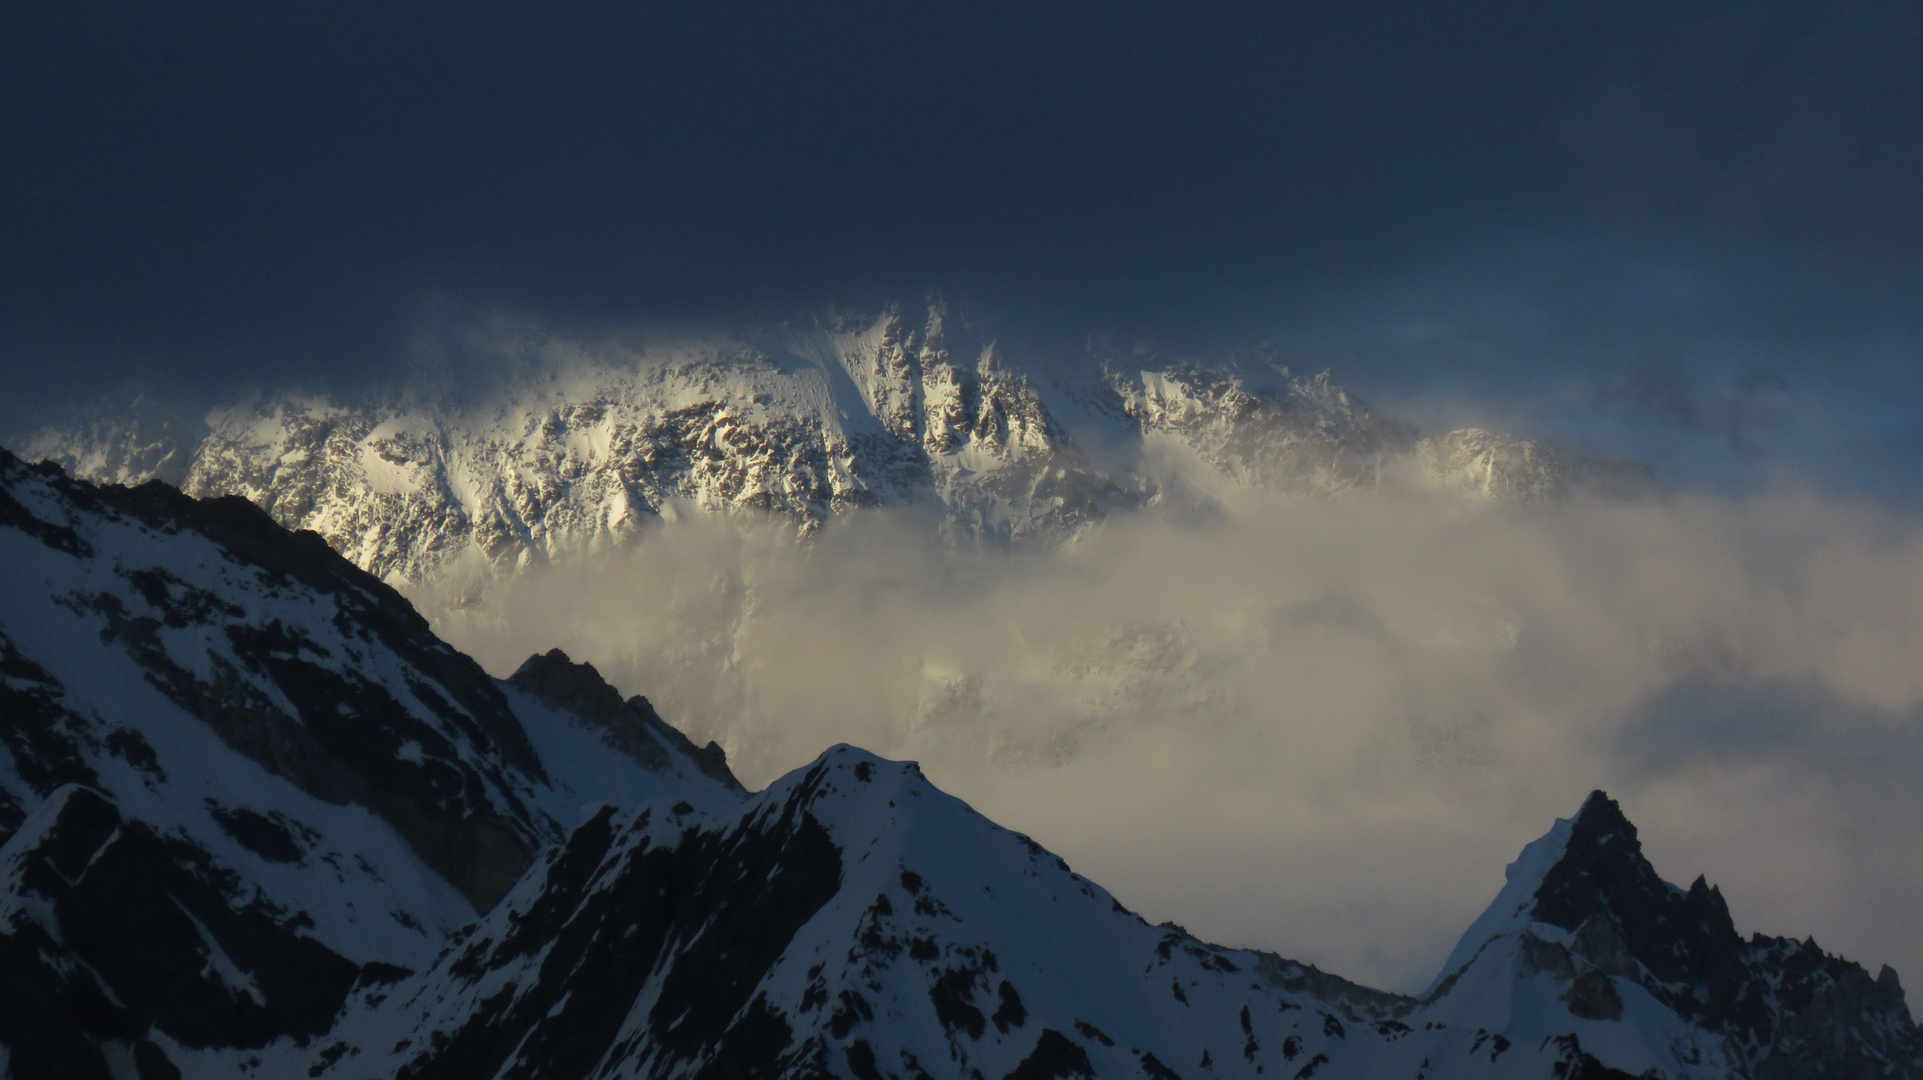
(1354, 433)
(576, 445)
(1160, 612)
(256, 819)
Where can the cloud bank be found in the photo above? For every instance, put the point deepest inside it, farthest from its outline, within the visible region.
(1321, 727)
(1682, 233)
(274, 192)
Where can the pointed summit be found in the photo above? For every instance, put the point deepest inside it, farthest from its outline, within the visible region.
(1602, 865)
(631, 726)
(1603, 879)
(1602, 813)
(1583, 905)
(1588, 879)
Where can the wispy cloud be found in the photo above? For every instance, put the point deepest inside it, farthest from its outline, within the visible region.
(1322, 727)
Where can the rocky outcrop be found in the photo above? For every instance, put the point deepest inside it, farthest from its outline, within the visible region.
(631, 726)
(1783, 1008)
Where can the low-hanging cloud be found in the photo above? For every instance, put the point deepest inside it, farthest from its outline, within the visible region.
(1320, 727)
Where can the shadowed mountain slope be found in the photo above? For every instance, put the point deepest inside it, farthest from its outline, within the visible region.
(256, 820)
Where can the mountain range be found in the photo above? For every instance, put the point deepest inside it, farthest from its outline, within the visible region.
(257, 820)
(568, 446)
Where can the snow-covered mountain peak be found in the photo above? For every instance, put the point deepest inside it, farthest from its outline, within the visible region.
(567, 448)
(1584, 914)
(256, 820)
(855, 921)
(1582, 861)
(239, 777)
(1512, 911)
(1307, 436)
(631, 727)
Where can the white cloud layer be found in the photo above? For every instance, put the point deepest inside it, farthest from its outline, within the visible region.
(1321, 727)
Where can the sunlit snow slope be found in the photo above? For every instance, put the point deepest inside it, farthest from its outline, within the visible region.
(574, 446)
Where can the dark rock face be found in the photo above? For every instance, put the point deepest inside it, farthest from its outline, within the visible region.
(266, 835)
(1786, 1008)
(564, 684)
(343, 740)
(699, 922)
(14, 515)
(631, 726)
(147, 933)
(252, 537)
(43, 735)
(711, 759)
(1056, 1057)
(1688, 938)
(1593, 996)
(1574, 1064)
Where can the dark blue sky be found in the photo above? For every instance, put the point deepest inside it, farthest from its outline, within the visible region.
(1652, 215)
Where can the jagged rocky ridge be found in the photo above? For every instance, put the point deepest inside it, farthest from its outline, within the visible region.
(258, 822)
(914, 408)
(240, 777)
